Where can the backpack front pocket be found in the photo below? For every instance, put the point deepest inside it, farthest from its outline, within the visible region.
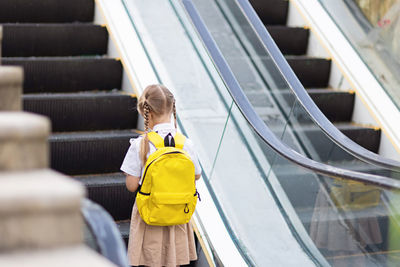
(170, 208)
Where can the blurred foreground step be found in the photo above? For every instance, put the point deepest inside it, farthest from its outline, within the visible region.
(89, 152)
(39, 209)
(68, 74)
(85, 111)
(109, 190)
(23, 141)
(28, 40)
(11, 79)
(76, 256)
(54, 11)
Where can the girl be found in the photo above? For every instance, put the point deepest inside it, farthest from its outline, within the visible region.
(156, 245)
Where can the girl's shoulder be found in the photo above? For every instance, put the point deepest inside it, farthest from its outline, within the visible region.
(135, 142)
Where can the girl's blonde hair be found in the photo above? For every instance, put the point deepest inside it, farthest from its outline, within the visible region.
(158, 100)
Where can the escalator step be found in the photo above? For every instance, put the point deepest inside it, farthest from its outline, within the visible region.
(312, 72)
(369, 138)
(27, 40)
(271, 12)
(68, 74)
(124, 227)
(290, 40)
(109, 191)
(321, 148)
(336, 105)
(89, 152)
(86, 111)
(38, 11)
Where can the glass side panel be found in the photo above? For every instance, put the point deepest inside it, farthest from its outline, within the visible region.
(372, 27)
(268, 90)
(335, 221)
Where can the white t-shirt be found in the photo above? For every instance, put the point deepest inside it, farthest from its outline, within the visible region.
(132, 164)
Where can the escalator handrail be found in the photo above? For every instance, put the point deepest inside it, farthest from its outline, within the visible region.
(258, 124)
(305, 100)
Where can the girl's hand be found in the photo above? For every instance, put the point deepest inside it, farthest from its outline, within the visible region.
(197, 176)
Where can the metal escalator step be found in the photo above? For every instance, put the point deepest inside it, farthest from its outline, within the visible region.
(89, 152)
(369, 138)
(85, 111)
(70, 74)
(124, 227)
(46, 11)
(312, 72)
(271, 12)
(109, 191)
(74, 39)
(320, 147)
(290, 40)
(336, 105)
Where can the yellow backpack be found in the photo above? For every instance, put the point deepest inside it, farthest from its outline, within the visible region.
(168, 194)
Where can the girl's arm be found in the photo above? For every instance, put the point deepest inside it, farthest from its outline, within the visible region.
(197, 176)
(132, 182)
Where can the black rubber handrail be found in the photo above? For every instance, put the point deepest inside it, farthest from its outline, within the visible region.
(305, 100)
(258, 124)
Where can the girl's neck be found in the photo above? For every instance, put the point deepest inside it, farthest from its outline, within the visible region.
(159, 119)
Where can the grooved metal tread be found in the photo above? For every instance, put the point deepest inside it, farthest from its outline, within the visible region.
(336, 105)
(271, 12)
(101, 180)
(68, 74)
(109, 190)
(91, 135)
(85, 111)
(311, 71)
(72, 39)
(46, 10)
(290, 40)
(123, 227)
(77, 153)
(367, 137)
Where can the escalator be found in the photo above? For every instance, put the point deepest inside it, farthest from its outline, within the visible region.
(270, 203)
(270, 198)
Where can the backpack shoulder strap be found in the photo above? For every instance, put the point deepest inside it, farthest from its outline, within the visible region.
(179, 140)
(156, 139)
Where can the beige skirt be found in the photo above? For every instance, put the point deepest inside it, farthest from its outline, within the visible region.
(160, 245)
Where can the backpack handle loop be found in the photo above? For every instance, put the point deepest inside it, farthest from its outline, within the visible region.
(158, 141)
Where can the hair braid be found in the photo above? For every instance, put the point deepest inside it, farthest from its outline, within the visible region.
(174, 112)
(144, 150)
